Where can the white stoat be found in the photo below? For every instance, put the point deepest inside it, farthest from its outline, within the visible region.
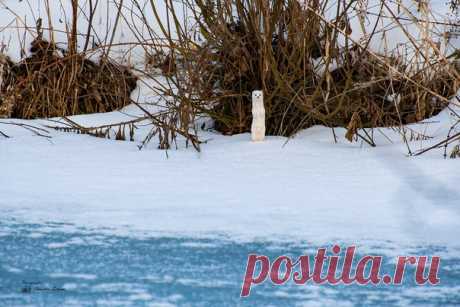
(258, 117)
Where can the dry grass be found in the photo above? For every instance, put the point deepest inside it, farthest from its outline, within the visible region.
(212, 54)
(52, 83)
(309, 66)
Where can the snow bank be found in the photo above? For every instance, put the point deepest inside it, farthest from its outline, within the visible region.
(308, 189)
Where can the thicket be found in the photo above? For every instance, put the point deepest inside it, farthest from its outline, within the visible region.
(211, 54)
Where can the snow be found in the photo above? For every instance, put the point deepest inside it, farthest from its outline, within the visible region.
(305, 188)
(292, 194)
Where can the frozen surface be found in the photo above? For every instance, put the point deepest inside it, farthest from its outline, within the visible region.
(107, 270)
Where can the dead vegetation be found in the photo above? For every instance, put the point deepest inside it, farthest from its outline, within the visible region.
(52, 82)
(208, 56)
(57, 82)
(309, 66)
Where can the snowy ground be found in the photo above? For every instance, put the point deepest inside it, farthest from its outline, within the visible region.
(235, 187)
(307, 191)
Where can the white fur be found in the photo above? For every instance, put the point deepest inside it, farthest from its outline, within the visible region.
(258, 117)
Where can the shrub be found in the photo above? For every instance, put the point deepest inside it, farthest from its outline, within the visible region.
(311, 70)
(51, 83)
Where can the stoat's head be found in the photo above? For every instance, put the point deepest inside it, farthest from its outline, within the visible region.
(257, 95)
